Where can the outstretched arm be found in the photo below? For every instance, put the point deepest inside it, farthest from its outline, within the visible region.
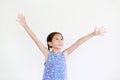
(22, 21)
(96, 32)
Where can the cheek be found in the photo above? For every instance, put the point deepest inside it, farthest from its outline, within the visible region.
(63, 43)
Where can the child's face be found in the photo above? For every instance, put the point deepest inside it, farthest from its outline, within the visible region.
(57, 41)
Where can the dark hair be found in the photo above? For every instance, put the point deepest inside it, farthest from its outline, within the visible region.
(50, 37)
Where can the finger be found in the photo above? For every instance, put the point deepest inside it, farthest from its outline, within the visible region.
(101, 28)
(104, 30)
(21, 16)
(95, 29)
(17, 20)
(102, 35)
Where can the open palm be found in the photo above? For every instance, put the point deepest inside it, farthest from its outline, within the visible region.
(21, 19)
(99, 31)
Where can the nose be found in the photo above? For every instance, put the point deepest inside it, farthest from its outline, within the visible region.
(60, 41)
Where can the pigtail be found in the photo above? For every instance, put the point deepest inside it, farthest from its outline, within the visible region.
(48, 48)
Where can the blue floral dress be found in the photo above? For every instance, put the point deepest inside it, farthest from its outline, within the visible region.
(55, 67)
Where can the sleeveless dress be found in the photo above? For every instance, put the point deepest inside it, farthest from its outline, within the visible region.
(55, 67)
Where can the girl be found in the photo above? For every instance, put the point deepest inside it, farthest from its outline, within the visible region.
(55, 64)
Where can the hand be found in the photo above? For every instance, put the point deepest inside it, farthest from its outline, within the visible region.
(99, 31)
(21, 19)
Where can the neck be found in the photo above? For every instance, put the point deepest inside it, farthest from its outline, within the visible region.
(56, 51)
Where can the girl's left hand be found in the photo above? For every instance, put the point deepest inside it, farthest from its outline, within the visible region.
(99, 31)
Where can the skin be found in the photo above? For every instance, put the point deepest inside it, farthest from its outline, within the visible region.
(57, 41)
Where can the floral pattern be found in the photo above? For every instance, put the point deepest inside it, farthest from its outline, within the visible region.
(55, 67)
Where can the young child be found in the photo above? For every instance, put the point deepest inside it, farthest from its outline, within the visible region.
(55, 64)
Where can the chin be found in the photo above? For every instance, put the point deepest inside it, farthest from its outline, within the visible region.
(60, 47)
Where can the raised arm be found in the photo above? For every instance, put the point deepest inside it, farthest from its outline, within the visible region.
(96, 32)
(22, 21)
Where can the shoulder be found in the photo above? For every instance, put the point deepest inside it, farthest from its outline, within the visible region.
(47, 55)
(65, 54)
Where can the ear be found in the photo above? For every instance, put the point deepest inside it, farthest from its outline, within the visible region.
(50, 44)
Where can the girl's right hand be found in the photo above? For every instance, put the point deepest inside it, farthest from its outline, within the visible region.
(99, 31)
(21, 19)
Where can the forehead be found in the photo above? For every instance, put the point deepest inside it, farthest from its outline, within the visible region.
(57, 36)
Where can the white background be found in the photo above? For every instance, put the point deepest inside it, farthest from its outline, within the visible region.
(96, 59)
